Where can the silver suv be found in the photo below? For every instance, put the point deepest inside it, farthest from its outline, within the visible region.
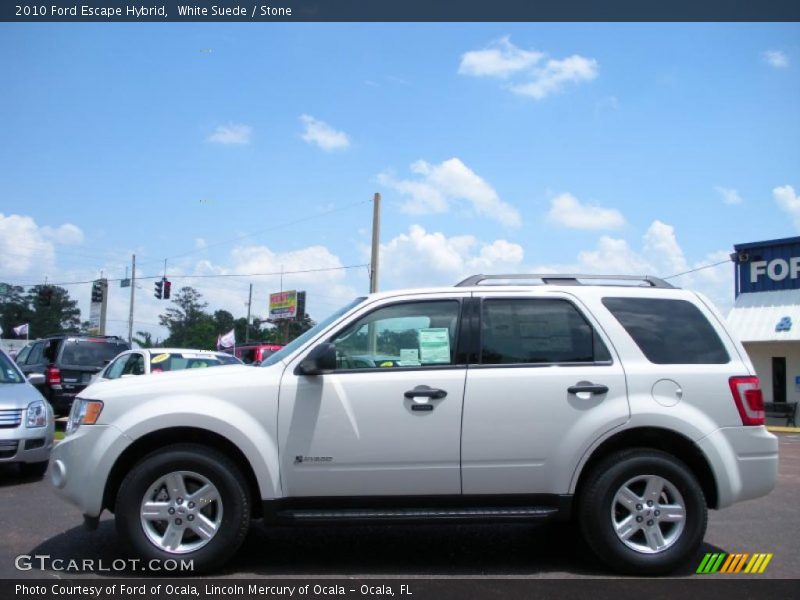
(620, 402)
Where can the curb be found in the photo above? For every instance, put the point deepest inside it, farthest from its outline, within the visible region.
(778, 429)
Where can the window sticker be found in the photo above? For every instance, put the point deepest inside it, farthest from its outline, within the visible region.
(409, 357)
(159, 358)
(434, 345)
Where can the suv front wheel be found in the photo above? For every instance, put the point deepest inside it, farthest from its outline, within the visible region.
(642, 512)
(186, 502)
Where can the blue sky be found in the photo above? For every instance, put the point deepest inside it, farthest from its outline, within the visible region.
(596, 147)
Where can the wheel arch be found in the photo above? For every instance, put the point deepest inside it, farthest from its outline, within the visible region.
(657, 438)
(151, 442)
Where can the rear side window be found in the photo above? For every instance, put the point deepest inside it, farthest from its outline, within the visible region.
(522, 331)
(90, 353)
(669, 332)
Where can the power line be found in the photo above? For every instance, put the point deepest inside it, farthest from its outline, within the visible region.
(260, 231)
(722, 262)
(215, 276)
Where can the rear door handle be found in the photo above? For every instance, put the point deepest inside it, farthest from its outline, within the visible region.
(426, 392)
(592, 388)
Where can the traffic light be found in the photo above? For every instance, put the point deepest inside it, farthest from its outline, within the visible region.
(159, 293)
(97, 291)
(167, 286)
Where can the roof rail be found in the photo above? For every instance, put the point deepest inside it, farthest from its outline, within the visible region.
(62, 334)
(569, 279)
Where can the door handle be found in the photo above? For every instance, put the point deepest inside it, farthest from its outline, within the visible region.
(592, 388)
(426, 392)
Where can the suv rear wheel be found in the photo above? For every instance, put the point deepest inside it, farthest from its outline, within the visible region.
(185, 502)
(643, 512)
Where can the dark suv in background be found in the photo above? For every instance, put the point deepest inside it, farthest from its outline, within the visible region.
(68, 362)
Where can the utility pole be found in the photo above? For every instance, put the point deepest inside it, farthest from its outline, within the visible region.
(133, 287)
(372, 334)
(376, 240)
(247, 326)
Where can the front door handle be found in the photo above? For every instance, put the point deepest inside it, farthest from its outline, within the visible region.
(592, 388)
(426, 392)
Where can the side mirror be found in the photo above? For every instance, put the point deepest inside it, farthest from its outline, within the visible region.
(36, 378)
(106, 361)
(321, 359)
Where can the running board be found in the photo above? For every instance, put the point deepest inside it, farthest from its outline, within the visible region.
(353, 515)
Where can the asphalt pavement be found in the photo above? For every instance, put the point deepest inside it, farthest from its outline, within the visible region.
(36, 522)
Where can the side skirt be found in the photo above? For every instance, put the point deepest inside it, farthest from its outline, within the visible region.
(417, 509)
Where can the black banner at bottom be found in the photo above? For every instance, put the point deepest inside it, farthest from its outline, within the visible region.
(403, 588)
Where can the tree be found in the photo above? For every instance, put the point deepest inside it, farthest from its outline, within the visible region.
(188, 324)
(61, 315)
(144, 339)
(14, 310)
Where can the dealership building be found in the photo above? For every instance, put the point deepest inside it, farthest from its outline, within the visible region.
(766, 315)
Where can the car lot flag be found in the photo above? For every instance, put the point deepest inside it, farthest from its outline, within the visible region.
(21, 330)
(227, 340)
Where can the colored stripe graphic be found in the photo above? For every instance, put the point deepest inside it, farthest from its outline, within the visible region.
(720, 562)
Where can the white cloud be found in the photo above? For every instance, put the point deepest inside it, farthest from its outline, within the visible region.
(776, 59)
(323, 135)
(501, 58)
(567, 211)
(555, 74)
(536, 77)
(420, 258)
(450, 182)
(729, 195)
(200, 243)
(788, 201)
(231, 134)
(25, 247)
(67, 234)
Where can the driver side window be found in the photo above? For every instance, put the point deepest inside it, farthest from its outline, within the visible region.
(410, 334)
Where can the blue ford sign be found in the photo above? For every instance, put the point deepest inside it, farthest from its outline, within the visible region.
(767, 266)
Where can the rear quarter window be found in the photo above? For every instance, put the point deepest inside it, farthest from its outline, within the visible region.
(669, 332)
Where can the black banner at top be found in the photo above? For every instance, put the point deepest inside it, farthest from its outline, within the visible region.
(396, 10)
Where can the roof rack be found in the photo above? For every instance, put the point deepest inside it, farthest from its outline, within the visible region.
(571, 279)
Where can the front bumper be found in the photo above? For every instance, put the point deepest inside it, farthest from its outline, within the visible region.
(744, 461)
(26, 445)
(81, 464)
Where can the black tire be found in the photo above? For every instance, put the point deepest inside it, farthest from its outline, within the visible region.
(596, 501)
(221, 471)
(37, 469)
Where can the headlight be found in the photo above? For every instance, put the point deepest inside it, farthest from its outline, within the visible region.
(84, 412)
(37, 414)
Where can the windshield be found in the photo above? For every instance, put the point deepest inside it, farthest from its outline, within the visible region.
(8, 371)
(303, 338)
(90, 353)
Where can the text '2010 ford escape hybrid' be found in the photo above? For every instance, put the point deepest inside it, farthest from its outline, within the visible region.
(620, 402)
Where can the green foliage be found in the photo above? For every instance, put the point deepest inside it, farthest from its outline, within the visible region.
(18, 307)
(191, 327)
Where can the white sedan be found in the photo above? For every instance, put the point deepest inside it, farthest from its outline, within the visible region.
(161, 360)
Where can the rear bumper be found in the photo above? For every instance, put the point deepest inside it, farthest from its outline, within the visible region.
(744, 460)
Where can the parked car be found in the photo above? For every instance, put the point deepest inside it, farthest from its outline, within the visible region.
(68, 363)
(254, 354)
(26, 420)
(620, 402)
(162, 360)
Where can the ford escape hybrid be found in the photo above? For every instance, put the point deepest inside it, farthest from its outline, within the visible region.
(620, 402)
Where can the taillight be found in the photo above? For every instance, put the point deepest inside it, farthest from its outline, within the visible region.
(748, 399)
(53, 376)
